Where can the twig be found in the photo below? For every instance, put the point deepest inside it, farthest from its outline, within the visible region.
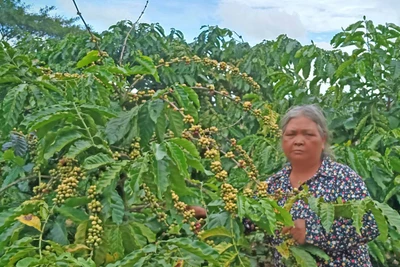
(129, 32)
(87, 27)
(21, 180)
(83, 122)
(42, 231)
(227, 127)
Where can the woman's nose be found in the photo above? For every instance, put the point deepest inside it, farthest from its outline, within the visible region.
(299, 141)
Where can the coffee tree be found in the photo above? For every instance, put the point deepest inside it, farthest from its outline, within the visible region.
(107, 144)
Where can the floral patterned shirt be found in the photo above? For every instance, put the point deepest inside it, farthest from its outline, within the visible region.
(344, 246)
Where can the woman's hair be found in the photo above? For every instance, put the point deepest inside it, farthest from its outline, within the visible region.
(314, 113)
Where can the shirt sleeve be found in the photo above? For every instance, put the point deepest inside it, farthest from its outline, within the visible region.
(342, 235)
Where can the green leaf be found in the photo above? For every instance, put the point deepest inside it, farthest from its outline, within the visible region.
(187, 145)
(161, 126)
(145, 231)
(129, 260)
(13, 104)
(395, 163)
(26, 262)
(303, 258)
(327, 214)
(90, 57)
(315, 251)
(222, 247)
(110, 175)
(219, 231)
(78, 147)
(268, 211)
(124, 124)
(80, 234)
(106, 112)
(76, 201)
(392, 215)
(192, 96)
(117, 208)
(178, 157)
(227, 258)
(58, 232)
(358, 210)
(113, 240)
(161, 176)
(376, 252)
(146, 124)
(76, 215)
(197, 248)
(155, 109)
(148, 66)
(175, 122)
(64, 137)
(96, 161)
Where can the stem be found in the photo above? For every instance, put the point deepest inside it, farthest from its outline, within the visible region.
(21, 180)
(83, 122)
(41, 233)
(234, 244)
(129, 32)
(87, 27)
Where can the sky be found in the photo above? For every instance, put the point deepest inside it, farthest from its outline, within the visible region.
(254, 20)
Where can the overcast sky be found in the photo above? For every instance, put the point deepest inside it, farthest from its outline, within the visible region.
(255, 20)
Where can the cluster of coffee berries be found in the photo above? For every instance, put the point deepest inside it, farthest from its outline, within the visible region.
(206, 142)
(47, 250)
(214, 64)
(230, 155)
(247, 106)
(245, 163)
(196, 130)
(216, 166)
(135, 97)
(39, 190)
(182, 208)
(135, 149)
(151, 199)
(70, 174)
(248, 192)
(195, 226)
(211, 153)
(262, 188)
(116, 155)
(221, 176)
(95, 229)
(210, 242)
(32, 147)
(188, 119)
(229, 195)
(277, 194)
(67, 75)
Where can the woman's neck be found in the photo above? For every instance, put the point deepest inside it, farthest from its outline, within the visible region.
(302, 172)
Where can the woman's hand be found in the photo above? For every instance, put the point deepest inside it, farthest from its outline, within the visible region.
(298, 232)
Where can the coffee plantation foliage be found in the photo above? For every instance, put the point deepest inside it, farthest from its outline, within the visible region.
(103, 152)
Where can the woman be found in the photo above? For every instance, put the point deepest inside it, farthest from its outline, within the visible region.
(305, 144)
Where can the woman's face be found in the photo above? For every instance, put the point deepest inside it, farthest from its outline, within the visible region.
(301, 141)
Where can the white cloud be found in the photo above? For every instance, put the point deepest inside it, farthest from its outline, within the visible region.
(256, 23)
(269, 18)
